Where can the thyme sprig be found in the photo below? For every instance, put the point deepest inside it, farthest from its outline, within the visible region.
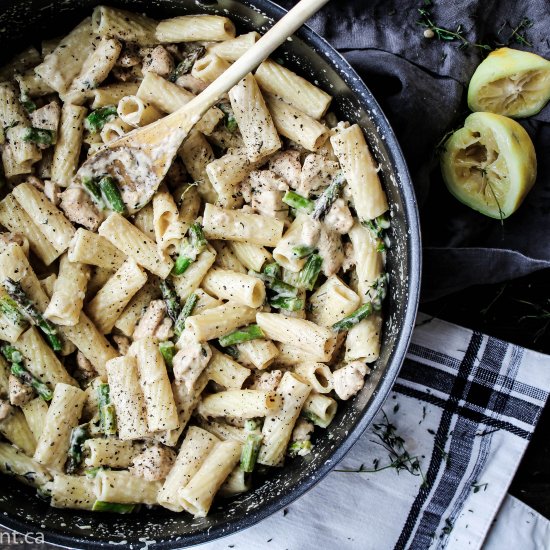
(541, 313)
(400, 459)
(427, 21)
(517, 34)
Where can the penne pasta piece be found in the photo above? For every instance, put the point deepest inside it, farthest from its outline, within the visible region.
(277, 428)
(193, 28)
(219, 321)
(134, 244)
(237, 287)
(241, 404)
(196, 446)
(305, 335)
(235, 225)
(197, 496)
(255, 123)
(293, 89)
(111, 299)
(63, 415)
(361, 172)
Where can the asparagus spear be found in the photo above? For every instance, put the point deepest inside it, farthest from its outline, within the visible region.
(287, 303)
(38, 136)
(377, 226)
(273, 270)
(112, 194)
(107, 414)
(168, 350)
(192, 53)
(78, 436)
(27, 378)
(307, 277)
(12, 354)
(91, 186)
(245, 334)
(301, 251)
(117, 508)
(329, 195)
(233, 351)
(28, 104)
(230, 121)
(185, 312)
(249, 453)
(171, 299)
(25, 305)
(299, 202)
(95, 121)
(92, 472)
(276, 285)
(196, 243)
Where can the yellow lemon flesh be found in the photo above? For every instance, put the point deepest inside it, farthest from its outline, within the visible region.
(510, 82)
(490, 164)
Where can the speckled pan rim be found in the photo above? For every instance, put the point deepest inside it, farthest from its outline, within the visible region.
(404, 184)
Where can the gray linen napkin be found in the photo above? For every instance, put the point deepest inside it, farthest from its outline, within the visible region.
(421, 84)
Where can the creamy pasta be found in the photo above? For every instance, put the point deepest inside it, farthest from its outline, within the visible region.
(159, 353)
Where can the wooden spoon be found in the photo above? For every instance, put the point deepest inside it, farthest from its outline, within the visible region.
(140, 159)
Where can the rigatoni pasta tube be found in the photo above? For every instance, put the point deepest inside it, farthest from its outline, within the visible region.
(225, 371)
(219, 321)
(192, 28)
(313, 339)
(190, 281)
(14, 428)
(11, 327)
(278, 427)
(69, 141)
(27, 470)
(125, 488)
(125, 392)
(296, 125)
(130, 317)
(240, 403)
(197, 496)
(320, 409)
(90, 342)
(196, 446)
(237, 287)
(251, 256)
(15, 218)
(364, 339)
(360, 171)
(209, 67)
(134, 111)
(226, 258)
(49, 219)
(293, 89)
(35, 412)
(73, 492)
(233, 48)
(317, 375)
(332, 301)
(134, 244)
(255, 123)
(63, 415)
(69, 290)
(90, 248)
(111, 300)
(125, 25)
(110, 452)
(259, 354)
(232, 225)
(160, 407)
(226, 173)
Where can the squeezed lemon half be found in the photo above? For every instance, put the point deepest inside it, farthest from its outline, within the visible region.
(510, 82)
(490, 164)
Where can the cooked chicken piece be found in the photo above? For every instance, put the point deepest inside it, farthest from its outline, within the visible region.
(190, 361)
(18, 238)
(47, 117)
(151, 319)
(85, 371)
(266, 380)
(191, 84)
(349, 257)
(302, 430)
(19, 393)
(267, 194)
(5, 409)
(164, 330)
(129, 56)
(158, 61)
(127, 74)
(154, 463)
(331, 250)
(286, 164)
(122, 343)
(52, 190)
(349, 379)
(339, 217)
(317, 173)
(79, 208)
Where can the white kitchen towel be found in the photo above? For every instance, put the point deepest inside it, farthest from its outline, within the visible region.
(465, 406)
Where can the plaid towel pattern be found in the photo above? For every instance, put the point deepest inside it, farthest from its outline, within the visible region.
(466, 406)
